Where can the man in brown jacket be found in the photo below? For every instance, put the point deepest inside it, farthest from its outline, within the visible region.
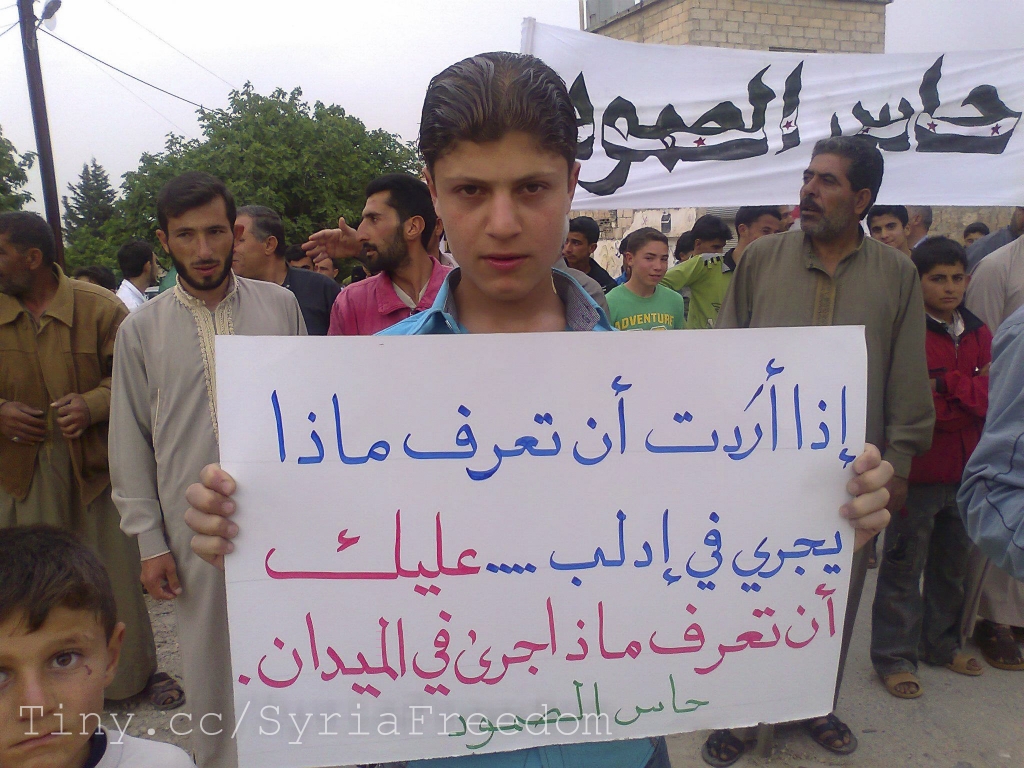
(56, 356)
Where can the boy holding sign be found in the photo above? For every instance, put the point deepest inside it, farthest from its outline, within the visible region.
(498, 135)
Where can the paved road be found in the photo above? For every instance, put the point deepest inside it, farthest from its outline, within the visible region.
(959, 722)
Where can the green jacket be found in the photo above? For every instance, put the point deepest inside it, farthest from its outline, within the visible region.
(708, 277)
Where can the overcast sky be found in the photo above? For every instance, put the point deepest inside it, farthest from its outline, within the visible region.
(372, 57)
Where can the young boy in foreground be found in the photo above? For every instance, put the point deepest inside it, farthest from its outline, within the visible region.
(60, 642)
(927, 536)
(641, 304)
(498, 135)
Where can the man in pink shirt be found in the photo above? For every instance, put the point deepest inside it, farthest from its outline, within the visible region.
(392, 241)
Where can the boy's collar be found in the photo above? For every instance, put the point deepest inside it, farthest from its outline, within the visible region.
(581, 313)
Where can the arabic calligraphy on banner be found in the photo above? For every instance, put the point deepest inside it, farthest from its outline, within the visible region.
(670, 126)
(454, 545)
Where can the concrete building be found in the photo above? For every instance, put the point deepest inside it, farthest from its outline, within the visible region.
(812, 26)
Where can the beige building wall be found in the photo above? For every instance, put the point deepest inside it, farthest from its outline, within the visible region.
(950, 221)
(836, 26)
(825, 26)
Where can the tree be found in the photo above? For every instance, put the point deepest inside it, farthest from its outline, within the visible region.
(91, 230)
(13, 176)
(311, 164)
(92, 201)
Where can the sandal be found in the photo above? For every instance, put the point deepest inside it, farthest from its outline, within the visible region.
(893, 681)
(965, 664)
(722, 749)
(998, 645)
(164, 692)
(828, 730)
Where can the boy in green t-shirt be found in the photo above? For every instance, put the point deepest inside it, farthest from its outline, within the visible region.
(640, 304)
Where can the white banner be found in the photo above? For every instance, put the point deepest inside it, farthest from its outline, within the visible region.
(668, 126)
(454, 545)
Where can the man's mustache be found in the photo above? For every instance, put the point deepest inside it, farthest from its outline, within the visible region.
(809, 205)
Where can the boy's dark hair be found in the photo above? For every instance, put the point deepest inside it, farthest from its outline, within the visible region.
(191, 189)
(409, 197)
(132, 258)
(684, 245)
(102, 276)
(266, 223)
(748, 214)
(642, 237)
(26, 230)
(487, 96)
(866, 163)
(46, 568)
(587, 227)
(977, 227)
(710, 227)
(899, 211)
(294, 253)
(938, 252)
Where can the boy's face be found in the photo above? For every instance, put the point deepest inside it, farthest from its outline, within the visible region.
(760, 227)
(505, 206)
(701, 247)
(577, 250)
(943, 288)
(48, 679)
(890, 231)
(649, 264)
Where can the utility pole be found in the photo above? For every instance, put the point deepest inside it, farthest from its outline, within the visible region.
(29, 45)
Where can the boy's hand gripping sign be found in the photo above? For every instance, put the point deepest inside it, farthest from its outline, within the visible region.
(454, 545)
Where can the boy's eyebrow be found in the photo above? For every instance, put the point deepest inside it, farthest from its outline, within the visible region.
(71, 638)
(466, 179)
(65, 640)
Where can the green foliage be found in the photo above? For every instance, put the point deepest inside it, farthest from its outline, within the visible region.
(311, 164)
(91, 204)
(97, 246)
(92, 231)
(13, 176)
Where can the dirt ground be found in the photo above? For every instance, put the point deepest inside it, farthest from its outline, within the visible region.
(959, 722)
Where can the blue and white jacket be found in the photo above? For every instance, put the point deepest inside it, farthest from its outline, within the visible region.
(581, 314)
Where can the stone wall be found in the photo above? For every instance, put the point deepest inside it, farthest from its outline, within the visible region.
(835, 26)
(950, 221)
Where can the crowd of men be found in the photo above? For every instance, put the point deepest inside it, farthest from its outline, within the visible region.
(108, 414)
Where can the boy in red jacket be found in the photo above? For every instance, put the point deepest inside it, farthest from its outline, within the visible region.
(927, 535)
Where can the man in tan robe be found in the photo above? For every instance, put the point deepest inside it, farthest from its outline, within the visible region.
(163, 431)
(56, 352)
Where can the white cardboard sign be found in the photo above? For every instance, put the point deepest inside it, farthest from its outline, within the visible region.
(453, 545)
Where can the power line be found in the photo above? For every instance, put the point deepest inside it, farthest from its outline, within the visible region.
(9, 28)
(133, 93)
(169, 45)
(126, 74)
